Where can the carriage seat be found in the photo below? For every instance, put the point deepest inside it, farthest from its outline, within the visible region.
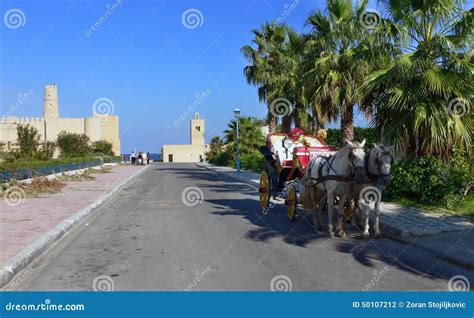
(276, 147)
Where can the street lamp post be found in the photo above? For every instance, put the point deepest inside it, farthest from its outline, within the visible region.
(237, 159)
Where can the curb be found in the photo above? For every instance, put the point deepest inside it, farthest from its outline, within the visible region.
(27, 255)
(393, 233)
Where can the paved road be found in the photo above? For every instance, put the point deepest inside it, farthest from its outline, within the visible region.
(149, 239)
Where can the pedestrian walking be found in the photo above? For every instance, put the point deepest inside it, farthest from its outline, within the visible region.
(133, 157)
(148, 156)
(140, 158)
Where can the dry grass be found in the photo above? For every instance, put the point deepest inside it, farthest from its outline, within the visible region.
(86, 176)
(33, 189)
(104, 169)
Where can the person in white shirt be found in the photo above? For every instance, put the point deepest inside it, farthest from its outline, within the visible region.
(133, 158)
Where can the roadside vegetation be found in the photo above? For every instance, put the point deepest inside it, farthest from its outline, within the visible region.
(34, 159)
(408, 70)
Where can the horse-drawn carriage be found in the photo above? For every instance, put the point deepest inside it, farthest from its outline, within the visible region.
(288, 157)
(350, 176)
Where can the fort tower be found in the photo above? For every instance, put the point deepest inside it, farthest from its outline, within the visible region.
(51, 107)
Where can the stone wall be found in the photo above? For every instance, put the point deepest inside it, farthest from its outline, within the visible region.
(97, 128)
(184, 153)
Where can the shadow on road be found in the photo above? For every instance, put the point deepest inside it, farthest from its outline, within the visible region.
(274, 223)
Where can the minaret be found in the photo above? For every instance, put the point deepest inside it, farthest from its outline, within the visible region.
(197, 131)
(51, 108)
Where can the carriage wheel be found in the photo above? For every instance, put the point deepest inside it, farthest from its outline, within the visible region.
(264, 190)
(292, 204)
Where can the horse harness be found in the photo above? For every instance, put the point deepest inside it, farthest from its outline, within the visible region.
(327, 163)
(372, 176)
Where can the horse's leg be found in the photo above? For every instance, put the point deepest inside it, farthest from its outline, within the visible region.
(365, 216)
(340, 217)
(330, 200)
(377, 219)
(356, 210)
(321, 206)
(315, 212)
(321, 198)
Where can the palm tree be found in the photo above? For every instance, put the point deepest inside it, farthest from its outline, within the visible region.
(261, 71)
(215, 145)
(422, 98)
(250, 135)
(277, 68)
(335, 67)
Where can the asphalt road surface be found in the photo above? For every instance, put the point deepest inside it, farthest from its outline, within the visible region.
(149, 238)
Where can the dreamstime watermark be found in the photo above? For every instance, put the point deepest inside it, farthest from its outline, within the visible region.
(281, 107)
(284, 193)
(287, 10)
(370, 19)
(459, 107)
(452, 201)
(46, 306)
(103, 106)
(21, 277)
(192, 196)
(281, 283)
(200, 97)
(370, 195)
(14, 196)
(459, 283)
(377, 276)
(14, 18)
(103, 283)
(199, 276)
(110, 9)
(192, 18)
(22, 98)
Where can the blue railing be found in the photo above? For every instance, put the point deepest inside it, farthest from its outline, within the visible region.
(27, 173)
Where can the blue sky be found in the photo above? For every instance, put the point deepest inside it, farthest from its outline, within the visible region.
(142, 57)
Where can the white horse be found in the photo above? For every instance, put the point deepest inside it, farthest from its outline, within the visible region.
(330, 178)
(378, 166)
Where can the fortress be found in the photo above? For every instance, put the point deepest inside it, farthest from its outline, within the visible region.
(98, 127)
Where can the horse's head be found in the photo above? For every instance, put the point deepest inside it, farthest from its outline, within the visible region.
(383, 162)
(357, 156)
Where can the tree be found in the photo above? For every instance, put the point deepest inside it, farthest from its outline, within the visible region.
(73, 145)
(216, 145)
(102, 147)
(28, 139)
(422, 99)
(261, 69)
(335, 68)
(46, 151)
(250, 135)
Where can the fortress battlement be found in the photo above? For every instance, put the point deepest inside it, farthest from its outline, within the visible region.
(30, 119)
(51, 124)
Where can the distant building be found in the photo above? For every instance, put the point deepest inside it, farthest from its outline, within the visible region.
(98, 127)
(193, 152)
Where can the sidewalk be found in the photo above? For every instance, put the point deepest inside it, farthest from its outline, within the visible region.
(36, 223)
(448, 237)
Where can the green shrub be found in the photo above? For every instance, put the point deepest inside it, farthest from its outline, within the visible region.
(220, 159)
(46, 151)
(254, 162)
(9, 166)
(12, 155)
(422, 180)
(28, 139)
(102, 147)
(73, 145)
